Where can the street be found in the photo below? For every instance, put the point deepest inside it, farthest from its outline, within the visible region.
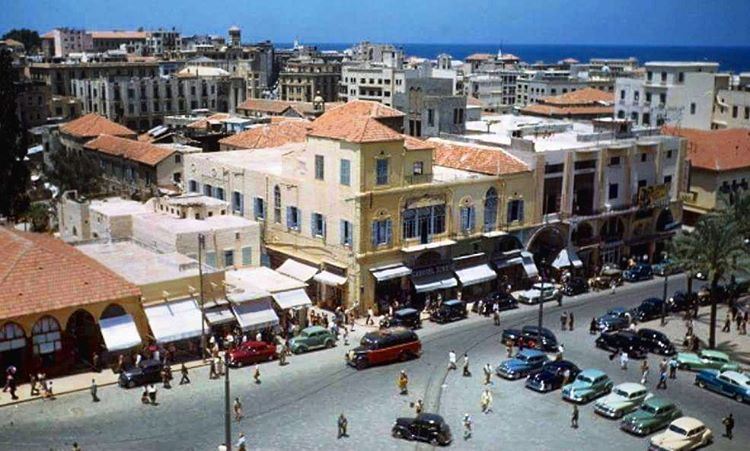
(296, 406)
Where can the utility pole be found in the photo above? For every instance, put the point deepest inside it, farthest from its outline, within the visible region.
(201, 246)
(664, 297)
(227, 416)
(541, 307)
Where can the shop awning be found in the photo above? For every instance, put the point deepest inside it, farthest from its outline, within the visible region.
(119, 332)
(475, 274)
(175, 321)
(297, 270)
(567, 258)
(508, 262)
(434, 282)
(528, 265)
(329, 278)
(291, 299)
(255, 314)
(383, 273)
(219, 315)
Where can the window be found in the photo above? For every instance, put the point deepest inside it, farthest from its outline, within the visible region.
(644, 157)
(468, 216)
(211, 259)
(663, 98)
(669, 155)
(681, 77)
(663, 77)
(648, 97)
(381, 171)
(277, 204)
(636, 96)
(634, 116)
(490, 210)
(642, 183)
(238, 202)
(431, 117)
(318, 225)
(207, 190)
(46, 336)
(293, 218)
(515, 211)
(259, 209)
(646, 119)
(621, 114)
(734, 111)
(219, 194)
(345, 232)
(668, 180)
(228, 258)
(177, 158)
(622, 94)
(381, 232)
(585, 164)
(613, 190)
(418, 168)
(247, 256)
(345, 172)
(614, 161)
(319, 167)
(747, 112)
(692, 107)
(193, 186)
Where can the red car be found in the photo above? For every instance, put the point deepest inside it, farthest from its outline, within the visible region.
(251, 352)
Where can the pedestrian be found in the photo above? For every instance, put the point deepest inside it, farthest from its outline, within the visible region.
(486, 401)
(644, 371)
(403, 383)
(593, 328)
(496, 316)
(242, 443)
(739, 324)
(467, 373)
(94, 390)
(566, 377)
(663, 365)
(342, 424)
(673, 364)
(212, 369)
(11, 384)
(564, 320)
(369, 321)
(662, 381)
(34, 391)
(571, 321)
(346, 336)
(184, 379)
(727, 323)
(47, 390)
(728, 423)
(281, 350)
(96, 362)
(138, 358)
(418, 406)
(220, 364)
(452, 360)
(743, 327)
(613, 287)
(509, 348)
(624, 360)
(152, 394)
(256, 374)
(237, 407)
(165, 377)
(560, 352)
(76, 447)
(487, 374)
(467, 426)
(574, 417)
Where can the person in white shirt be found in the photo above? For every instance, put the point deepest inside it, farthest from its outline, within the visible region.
(452, 360)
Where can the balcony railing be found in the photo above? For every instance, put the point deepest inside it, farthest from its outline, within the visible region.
(417, 179)
(689, 197)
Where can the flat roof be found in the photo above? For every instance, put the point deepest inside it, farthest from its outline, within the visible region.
(263, 279)
(115, 206)
(266, 160)
(196, 199)
(177, 147)
(682, 63)
(173, 225)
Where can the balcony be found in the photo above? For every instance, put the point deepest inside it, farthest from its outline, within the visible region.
(418, 179)
(689, 197)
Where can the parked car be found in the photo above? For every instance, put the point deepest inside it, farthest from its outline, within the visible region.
(666, 267)
(606, 277)
(575, 286)
(310, 338)
(552, 375)
(251, 352)
(588, 385)
(615, 319)
(624, 399)
(649, 309)
(656, 342)
(730, 383)
(539, 292)
(706, 360)
(641, 271)
(425, 427)
(385, 346)
(503, 301)
(655, 413)
(681, 301)
(622, 341)
(405, 317)
(525, 362)
(704, 294)
(684, 433)
(146, 372)
(452, 310)
(528, 337)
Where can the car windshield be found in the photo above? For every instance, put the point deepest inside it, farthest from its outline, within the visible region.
(586, 379)
(677, 430)
(368, 341)
(522, 357)
(649, 409)
(620, 392)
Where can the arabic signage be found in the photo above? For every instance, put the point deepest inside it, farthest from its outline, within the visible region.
(653, 196)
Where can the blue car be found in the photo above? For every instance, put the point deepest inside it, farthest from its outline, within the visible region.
(524, 363)
(614, 319)
(730, 383)
(641, 271)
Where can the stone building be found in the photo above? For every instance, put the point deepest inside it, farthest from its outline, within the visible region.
(586, 103)
(308, 75)
(58, 76)
(32, 102)
(430, 108)
(732, 106)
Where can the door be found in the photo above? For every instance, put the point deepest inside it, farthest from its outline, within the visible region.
(424, 229)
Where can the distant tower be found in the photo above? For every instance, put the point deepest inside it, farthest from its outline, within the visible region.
(234, 36)
(444, 61)
(319, 104)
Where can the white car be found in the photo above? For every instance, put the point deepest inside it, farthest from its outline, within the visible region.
(682, 434)
(624, 399)
(539, 292)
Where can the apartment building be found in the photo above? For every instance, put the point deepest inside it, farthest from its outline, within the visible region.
(732, 106)
(495, 90)
(32, 102)
(135, 42)
(533, 85)
(162, 42)
(430, 108)
(308, 75)
(587, 103)
(61, 42)
(58, 76)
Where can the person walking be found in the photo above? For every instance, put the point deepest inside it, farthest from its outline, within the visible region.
(727, 323)
(673, 364)
(212, 369)
(496, 315)
(241, 443)
(342, 425)
(644, 371)
(728, 423)
(571, 321)
(487, 374)
(418, 406)
(593, 327)
(624, 360)
(151, 394)
(509, 349)
(466, 372)
(566, 377)
(256, 374)
(237, 408)
(33, 391)
(662, 381)
(485, 401)
(184, 379)
(564, 321)
(94, 389)
(452, 360)
(467, 426)
(403, 383)
(165, 377)
(11, 385)
(574, 417)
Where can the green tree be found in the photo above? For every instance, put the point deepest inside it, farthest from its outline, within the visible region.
(29, 38)
(38, 216)
(715, 247)
(14, 175)
(73, 171)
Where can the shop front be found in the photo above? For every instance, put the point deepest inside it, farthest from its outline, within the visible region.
(178, 322)
(292, 306)
(475, 276)
(567, 264)
(391, 282)
(255, 316)
(432, 283)
(220, 318)
(330, 288)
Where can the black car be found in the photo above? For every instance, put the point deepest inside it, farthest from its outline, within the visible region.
(552, 375)
(426, 427)
(529, 335)
(574, 286)
(448, 311)
(615, 319)
(641, 271)
(623, 341)
(406, 317)
(146, 372)
(649, 309)
(656, 342)
(681, 301)
(503, 301)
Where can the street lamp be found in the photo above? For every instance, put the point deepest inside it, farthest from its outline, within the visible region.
(666, 283)
(201, 247)
(227, 416)
(541, 306)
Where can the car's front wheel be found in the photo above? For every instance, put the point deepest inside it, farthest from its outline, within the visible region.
(396, 433)
(131, 383)
(701, 384)
(739, 398)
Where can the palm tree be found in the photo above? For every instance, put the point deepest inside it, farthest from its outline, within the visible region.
(716, 247)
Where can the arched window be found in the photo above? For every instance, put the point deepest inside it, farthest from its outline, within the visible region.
(46, 335)
(490, 210)
(11, 337)
(277, 204)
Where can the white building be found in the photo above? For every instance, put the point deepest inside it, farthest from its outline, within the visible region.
(732, 109)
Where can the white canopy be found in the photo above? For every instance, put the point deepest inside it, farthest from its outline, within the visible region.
(291, 299)
(329, 278)
(255, 314)
(475, 274)
(299, 271)
(119, 332)
(383, 273)
(434, 282)
(566, 258)
(173, 321)
(528, 265)
(219, 315)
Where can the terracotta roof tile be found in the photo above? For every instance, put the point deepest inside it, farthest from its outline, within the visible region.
(479, 57)
(475, 158)
(93, 125)
(269, 135)
(716, 150)
(129, 149)
(586, 96)
(357, 121)
(412, 143)
(118, 34)
(538, 109)
(39, 273)
(203, 122)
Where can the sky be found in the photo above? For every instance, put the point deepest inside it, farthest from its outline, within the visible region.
(578, 22)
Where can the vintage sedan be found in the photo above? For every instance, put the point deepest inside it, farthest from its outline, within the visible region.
(650, 308)
(706, 360)
(608, 276)
(313, 337)
(405, 317)
(615, 319)
(503, 301)
(588, 385)
(524, 363)
(539, 292)
(146, 372)
(641, 271)
(622, 341)
(656, 341)
(683, 434)
(730, 383)
(666, 267)
(251, 352)
(528, 337)
(426, 427)
(452, 310)
(655, 413)
(624, 399)
(575, 286)
(681, 301)
(552, 376)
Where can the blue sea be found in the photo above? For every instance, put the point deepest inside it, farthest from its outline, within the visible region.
(731, 59)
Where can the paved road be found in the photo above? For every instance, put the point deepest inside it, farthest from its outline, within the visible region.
(296, 406)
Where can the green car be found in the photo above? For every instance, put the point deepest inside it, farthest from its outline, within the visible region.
(313, 337)
(706, 360)
(589, 384)
(655, 413)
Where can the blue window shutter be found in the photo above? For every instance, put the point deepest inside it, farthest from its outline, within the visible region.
(388, 231)
(256, 208)
(520, 210)
(289, 224)
(374, 233)
(323, 218)
(242, 204)
(342, 237)
(472, 217)
(312, 225)
(510, 209)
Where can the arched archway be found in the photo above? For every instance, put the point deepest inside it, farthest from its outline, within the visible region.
(546, 243)
(582, 234)
(665, 220)
(490, 210)
(427, 259)
(508, 243)
(13, 345)
(112, 311)
(612, 230)
(46, 338)
(84, 331)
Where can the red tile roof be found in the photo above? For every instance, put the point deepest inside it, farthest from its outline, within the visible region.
(475, 158)
(136, 35)
(412, 143)
(267, 106)
(39, 273)
(357, 121)
(716, 150)
(479, 57)
(538, 109)
(586, 96)
(129, 149)
(203, 122)
(93, 125)
(473, 101)
(269, 135)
